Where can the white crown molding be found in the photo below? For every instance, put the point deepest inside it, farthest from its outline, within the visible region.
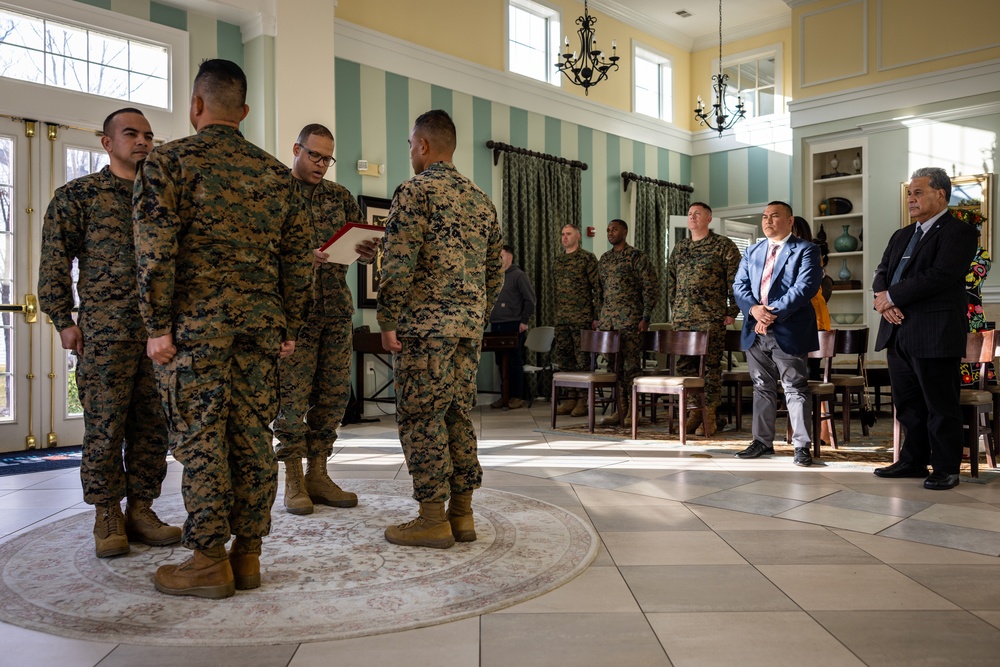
(374, 49)
(255, 18)
(799, 3)
(258, 26)
(744, 31)
(647, 25)
(912, 91)
(960, 113)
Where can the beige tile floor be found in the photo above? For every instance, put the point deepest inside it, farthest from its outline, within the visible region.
(704, 562)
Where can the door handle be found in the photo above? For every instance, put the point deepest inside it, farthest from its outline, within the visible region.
(29, 308)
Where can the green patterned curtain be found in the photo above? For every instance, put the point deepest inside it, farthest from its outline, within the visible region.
(539, 197)
(651, 234)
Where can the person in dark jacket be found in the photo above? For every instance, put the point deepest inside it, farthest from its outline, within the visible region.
(513, 309)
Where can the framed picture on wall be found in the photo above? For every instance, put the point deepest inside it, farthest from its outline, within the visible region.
(375, 210)
(970, 202)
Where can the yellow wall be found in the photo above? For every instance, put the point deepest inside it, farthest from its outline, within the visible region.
(702, 67)
(914, 36)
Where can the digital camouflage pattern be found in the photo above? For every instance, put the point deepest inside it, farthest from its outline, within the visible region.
(224, 264)
(441, 275)
(629, 286)
(700, 277)
(90, 219)
(315, 382)
(578, 302)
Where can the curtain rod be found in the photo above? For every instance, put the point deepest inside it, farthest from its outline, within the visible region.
(629, 176)
(499, 147)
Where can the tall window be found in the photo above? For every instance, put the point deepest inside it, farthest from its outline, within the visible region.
(533, 40)
(63, 55)
(653, 85)
(754, 79)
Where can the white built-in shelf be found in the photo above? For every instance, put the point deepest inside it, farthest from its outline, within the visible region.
(853, 253)
(838, 179)
(819, 219)
(845, 291)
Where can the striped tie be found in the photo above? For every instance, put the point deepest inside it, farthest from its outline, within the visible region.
(905, 259)
(765, 279)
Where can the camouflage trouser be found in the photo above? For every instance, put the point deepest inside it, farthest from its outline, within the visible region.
(435, 381)
(315, 386)
(631, 359)
(566, 354)
(713, 358)
(121, 411)
(222, 394)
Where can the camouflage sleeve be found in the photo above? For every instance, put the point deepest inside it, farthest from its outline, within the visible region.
(404, 236)
(156, 225)
(731, 260)
(352, 213)
(62, 240)
(295, 267)
(650, 285)
(597, 292)
(494, 265)
(672, 277)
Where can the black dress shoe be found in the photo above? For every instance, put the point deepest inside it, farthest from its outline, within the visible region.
(802, 457)
(940, 481)
(900, 469)
(755, 450)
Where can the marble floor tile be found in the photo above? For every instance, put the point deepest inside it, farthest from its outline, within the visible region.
(696, 588)
(602, 479)
(593, 497)
(42, 498)
(867, 502)
(773, 547)
(991, 617)
(127, 655)
(599, 589)
(713, 478)
(839, 517)
(747, 502)
(897, 551)
(670, 548)
(956, 537)
(664, 488)
(37, 649)
(778, 489)
(971, 587)
(961, 515)
(725, 519)
(641, 518)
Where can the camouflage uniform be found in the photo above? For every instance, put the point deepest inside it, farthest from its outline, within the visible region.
(629, 285)
(700, 277)
(91, 219)
(223, 265)
(315, 382)
(578, 301)
(440, 278)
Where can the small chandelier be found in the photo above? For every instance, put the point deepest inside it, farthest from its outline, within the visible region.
(720, 113)
(589, 69)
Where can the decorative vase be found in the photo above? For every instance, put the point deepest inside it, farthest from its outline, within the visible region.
(861, 239)
(821, 236)
(845, 273)
(845, 242)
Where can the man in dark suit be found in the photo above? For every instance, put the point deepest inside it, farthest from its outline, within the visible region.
(920, 294)
(776, 280)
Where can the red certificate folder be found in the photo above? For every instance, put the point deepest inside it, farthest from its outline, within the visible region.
(340, 246)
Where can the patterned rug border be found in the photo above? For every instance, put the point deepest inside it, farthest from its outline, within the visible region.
(14, 607)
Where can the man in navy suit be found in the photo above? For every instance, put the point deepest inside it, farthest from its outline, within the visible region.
(920, 294)
(776, 280)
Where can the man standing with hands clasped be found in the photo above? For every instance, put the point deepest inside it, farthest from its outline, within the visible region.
(920, 294)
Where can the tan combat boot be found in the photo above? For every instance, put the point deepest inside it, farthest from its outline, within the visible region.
(142, 525)
(566, 407)
(581, 409)
(430, 529)
(244, 558)
(297, 499)
(460, 517)
(206, 574)
(712, 426)
(693, 421)
(109, 531)
(610, 420)
(322, 489)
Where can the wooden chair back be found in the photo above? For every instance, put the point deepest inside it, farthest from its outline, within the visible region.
(596, 343)
(826, 351)
(732, 346)
(980, 348)
(853, 341)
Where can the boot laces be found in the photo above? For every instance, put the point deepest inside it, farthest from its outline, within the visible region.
(146, 513)
(114, 522)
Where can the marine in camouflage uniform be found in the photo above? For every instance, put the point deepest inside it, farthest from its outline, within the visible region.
(315, 382)
(125, 432)
(441, 274)
(224, 278)
(700, 274)
(578, 301)
(629, 286)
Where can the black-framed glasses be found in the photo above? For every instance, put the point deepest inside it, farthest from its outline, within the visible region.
(319, 158)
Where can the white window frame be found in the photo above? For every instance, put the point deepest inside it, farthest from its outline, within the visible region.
(25, 99)
(553, 22)
(736, 59)
(665, 68)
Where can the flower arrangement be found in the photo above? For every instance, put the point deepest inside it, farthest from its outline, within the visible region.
(969, 215)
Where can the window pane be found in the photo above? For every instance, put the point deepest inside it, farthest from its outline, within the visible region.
(108, 50)
(65, 40)
(666, 92)
(765, 72)
(21, 30)
(66, 73)
(748, 75)
(99, 160)
(734, 75)
(647, 87)
(6, 157)
(767, 100)
(528, 44)
(148, 90)
(22, 64)
(7, 369)
(77, 163)
(148, 59)
(109, 82)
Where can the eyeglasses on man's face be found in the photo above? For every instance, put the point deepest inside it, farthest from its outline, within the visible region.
(318, 158)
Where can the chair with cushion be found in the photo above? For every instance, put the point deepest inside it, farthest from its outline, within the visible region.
(852, 342)
(595, 343)
(674, 344)
(821, 390)
(539, 341)
(735, 378)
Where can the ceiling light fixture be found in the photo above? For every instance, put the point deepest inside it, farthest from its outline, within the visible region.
(589, 69)
(720, 113)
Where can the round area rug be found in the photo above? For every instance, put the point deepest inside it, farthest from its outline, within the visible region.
(328, 575)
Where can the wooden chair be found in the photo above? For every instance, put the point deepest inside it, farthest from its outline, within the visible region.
(981, 349)
(821, 390)
(539, 341)
(674, 344)
(850, 341)
(734, 379)
(595, 343)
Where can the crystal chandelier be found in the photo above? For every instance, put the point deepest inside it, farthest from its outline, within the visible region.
(721, 115)
(588, 69)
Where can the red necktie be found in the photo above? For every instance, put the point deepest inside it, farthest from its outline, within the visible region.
(765, 279)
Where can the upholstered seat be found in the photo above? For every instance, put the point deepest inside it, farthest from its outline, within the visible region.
(595, 343)
(674, 344)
